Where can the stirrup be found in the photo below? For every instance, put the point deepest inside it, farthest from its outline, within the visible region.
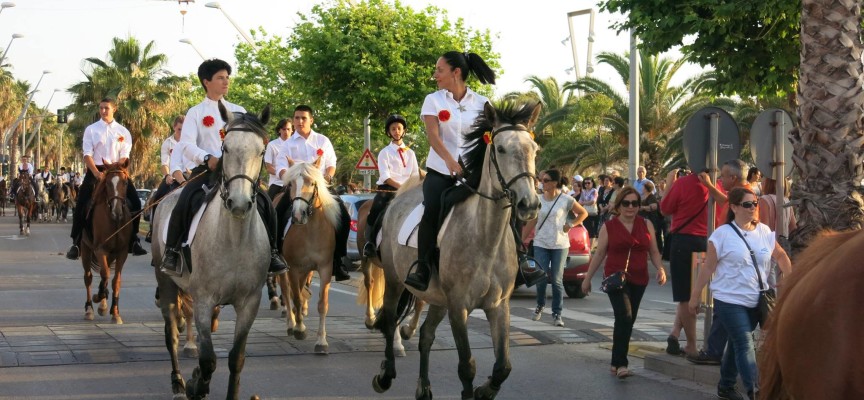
(416, 279)
(177, 263)
(369, 250)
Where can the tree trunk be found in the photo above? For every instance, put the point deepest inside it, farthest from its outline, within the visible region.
(828, 144)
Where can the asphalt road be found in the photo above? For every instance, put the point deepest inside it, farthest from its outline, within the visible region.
(47, 350)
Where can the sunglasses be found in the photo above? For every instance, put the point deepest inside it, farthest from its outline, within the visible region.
(628, 203)
(749, 204)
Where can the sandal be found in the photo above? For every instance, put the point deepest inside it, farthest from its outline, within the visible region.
(673, 347)
(623, 372)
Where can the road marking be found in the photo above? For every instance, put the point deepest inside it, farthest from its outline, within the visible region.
(14, 237)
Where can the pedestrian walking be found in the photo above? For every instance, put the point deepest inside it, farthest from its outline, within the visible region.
(588, 200)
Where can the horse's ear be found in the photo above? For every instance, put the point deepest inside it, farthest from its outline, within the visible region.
(224, 114)
(489, 113)
(290, 161)
(535, 115)
(125, 164)
(105, 162)
(317, 162)
(265, 115)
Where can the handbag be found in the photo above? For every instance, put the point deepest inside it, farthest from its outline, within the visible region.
(667, 243)
(615, 281)
(591, 208)
(767, 297)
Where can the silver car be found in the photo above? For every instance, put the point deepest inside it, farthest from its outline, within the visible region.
(353, 202)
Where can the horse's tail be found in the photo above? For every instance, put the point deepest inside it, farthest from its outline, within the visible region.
(403, 309)
(376, 274)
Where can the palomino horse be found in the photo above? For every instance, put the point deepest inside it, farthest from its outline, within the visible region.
(308, 245)
(61, 199)
(816, 325)
(43, 200)
(478, 262)
(371, 294)
(106, 241)
(25, 203)
(230, 255)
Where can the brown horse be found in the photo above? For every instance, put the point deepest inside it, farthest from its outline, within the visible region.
(106, 242)
(3, 197)
(25, 203)
(61, 200)
(816, 325)
(371, 294)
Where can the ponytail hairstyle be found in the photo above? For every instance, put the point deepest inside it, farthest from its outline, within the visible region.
(470, 62)
(735, 196)
(555, 176)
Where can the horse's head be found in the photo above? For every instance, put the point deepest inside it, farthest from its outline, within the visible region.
(242, 156)
(113, 186)
(503, 155)
(308, 190)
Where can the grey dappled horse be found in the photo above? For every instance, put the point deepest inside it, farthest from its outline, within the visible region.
(230, 255)
(478, 262)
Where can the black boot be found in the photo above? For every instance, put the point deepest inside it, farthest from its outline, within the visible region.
(419, 279)
(149, 237)
(527, 275)
(73, 252)
(136, 249)
(277, 264)
(171, 262)
(369, 250)
(339, 272)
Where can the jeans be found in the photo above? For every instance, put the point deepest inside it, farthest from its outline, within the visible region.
(552, 262)
(740, 355)
(625, 304)
(717, 339)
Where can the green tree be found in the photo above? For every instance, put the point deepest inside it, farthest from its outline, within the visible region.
(753, 45)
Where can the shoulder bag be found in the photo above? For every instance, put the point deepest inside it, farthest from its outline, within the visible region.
(767, 297)
(615, 281)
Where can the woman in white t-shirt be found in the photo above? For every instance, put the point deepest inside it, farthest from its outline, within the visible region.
(551, 241)
(736, 285)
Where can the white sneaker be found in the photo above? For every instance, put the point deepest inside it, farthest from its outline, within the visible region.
(538, 312)
(558, 321)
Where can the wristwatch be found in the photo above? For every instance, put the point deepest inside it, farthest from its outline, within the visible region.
(207, 158)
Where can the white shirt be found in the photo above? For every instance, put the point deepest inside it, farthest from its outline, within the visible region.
(735, 279)
(79, 180)
(63, 178)
(306, 150)
(198, 140)
(271, 154)
(45, 176)
(551, 234)
(28, 167)
(107, 143)
(167, 151)
(396, 166)
(462, 114)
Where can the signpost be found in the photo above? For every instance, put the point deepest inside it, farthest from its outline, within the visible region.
(772, 152)
(367, 164)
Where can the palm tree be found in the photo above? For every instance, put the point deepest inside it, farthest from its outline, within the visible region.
(828, 143)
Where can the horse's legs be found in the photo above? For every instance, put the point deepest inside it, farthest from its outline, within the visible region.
(386, 322)
(104, 275)
(407, 331)
(199, 385)
(246, 311)
(115, 291)
(286, 301)
(368, 281)
(186, 315)
(499, 324)
(427, 337)
(168, 297)
(88, 279)
(321, 346)
(467, 368)
(296, 281)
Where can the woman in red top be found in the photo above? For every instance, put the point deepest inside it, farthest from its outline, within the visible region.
(625, 242)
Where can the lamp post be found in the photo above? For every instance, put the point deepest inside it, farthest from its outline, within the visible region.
(589, 65)
(24, 112)
(5, 5)
(189, 42)
(39, 129)
(215, 4)
(14, 36)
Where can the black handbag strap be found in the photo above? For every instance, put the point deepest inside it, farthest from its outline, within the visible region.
(550, 212)
(752, 255)
(689, 220)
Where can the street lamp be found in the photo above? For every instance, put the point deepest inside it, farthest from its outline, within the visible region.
(189, 42)
(215, 4)
(589, 68)
(39, 129)
(5, 5)
(14, 36)
(24, 113)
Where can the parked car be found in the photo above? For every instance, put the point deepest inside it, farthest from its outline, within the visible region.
(353, 202)
(143, 194)
(577, 262)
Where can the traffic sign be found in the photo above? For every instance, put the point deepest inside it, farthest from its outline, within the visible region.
(762, 141)
(367, 162)
(367, 171)
(697, 138)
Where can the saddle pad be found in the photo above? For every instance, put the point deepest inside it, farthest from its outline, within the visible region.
(408, 231)
(287, 226)
(192, 228)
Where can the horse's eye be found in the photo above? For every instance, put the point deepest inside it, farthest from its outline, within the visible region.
(500, 149)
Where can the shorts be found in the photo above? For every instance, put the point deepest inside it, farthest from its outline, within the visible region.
(681, 249)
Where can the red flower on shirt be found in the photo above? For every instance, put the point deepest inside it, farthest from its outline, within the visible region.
(320, 152)
(222, 134)
(121, 138)
(487, 137)
(208, 121)
(444, 115)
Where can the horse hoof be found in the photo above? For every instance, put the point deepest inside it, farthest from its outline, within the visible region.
(190, 352)
(322, 349)
(299, 335)
(102, 311)
(484, 392)
(178, 396)
(406, 332)
(284, 313)
(305, 311)
(400, 353)
(423, 393)
(370, 323)
(274, 303)
(381, 385)
(88, 315)
(117, 320)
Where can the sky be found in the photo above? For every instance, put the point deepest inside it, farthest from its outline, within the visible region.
(60, 34)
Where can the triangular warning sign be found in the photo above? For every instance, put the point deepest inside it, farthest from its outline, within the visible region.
(367, 161)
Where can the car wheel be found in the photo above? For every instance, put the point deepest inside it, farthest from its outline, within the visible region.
(574, 289)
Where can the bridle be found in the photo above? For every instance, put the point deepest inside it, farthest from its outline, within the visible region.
(505, 184)
(223, 183)
(115, 196)
(310, 204)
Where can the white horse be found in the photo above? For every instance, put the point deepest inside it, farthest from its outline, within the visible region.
(478, 261)
(230, 255)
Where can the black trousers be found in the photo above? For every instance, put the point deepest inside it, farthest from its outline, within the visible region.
(625, 304)
(15, 184)
(433, 188)
(379, 203)
(163, 189)
(342, 230)
(273, 190)
(82, 206)
(192, 197)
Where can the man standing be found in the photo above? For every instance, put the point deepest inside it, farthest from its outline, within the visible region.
(201, 143)
(307, 145)
(639, 183)
(104, 141)
(271, 154)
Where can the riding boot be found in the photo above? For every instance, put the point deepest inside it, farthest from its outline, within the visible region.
(277, 264)
(149, 237)
(135, 247)
(419, 279)
(527, 275)
(73, 253)
(171, 262)
(339, 272)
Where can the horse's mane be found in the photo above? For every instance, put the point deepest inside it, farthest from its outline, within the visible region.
(250, 122)
(506, 112)
(303, 170)
(412, 182)
(99, 192)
